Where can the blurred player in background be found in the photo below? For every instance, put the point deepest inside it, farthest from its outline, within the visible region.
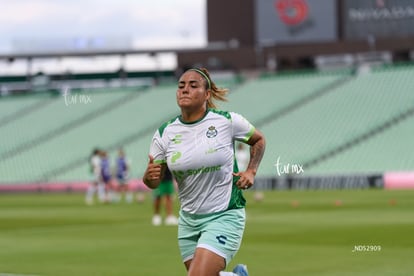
(106, 177)
(95, 170)
(122, 176)
(242, 156)
(165, 190)
(198, 148)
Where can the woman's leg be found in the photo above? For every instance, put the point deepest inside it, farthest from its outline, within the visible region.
(205, 263)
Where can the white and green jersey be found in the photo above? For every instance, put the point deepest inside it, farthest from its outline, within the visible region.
(201, 157)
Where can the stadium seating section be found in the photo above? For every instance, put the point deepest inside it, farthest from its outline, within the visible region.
(329, 123)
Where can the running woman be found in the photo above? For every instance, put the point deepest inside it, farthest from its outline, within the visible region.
(198, 148)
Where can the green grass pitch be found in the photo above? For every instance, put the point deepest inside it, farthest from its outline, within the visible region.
(348, 232)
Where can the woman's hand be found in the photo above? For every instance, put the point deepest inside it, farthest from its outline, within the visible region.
(152, 175)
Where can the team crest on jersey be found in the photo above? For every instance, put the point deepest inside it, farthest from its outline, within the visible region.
(211, 132)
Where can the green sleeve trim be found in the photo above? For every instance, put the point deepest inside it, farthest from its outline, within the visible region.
(164, 125)
(249, 134)
(225, 114)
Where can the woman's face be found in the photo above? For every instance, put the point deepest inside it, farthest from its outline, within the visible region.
(191, 92)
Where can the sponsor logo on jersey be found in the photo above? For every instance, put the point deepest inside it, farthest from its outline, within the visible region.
(204, 170)
(179, 175)
(177, 139)
(176, 155)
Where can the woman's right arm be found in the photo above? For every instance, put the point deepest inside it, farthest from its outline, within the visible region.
(153, 174)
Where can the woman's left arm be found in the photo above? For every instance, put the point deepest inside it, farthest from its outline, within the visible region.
(257, 144)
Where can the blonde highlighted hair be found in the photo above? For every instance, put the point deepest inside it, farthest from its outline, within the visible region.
(217, 94)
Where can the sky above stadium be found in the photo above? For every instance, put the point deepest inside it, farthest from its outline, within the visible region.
(31, 24)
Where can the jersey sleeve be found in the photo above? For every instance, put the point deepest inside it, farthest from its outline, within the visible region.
(158, 149)
(242, 128)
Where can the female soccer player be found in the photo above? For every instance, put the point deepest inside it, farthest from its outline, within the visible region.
(95, 169)
(198, 148)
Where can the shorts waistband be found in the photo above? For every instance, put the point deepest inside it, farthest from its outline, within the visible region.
(200, 216)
